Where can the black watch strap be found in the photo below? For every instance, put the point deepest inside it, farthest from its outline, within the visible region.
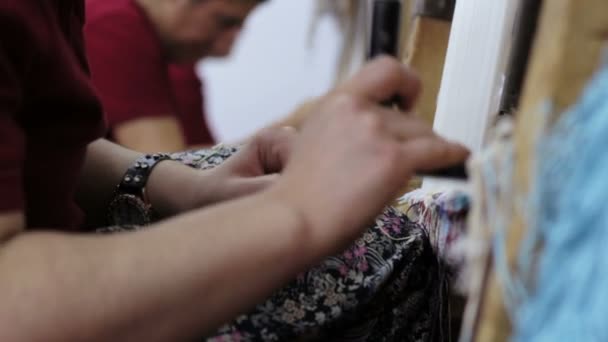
(130, 205)
(136, 177)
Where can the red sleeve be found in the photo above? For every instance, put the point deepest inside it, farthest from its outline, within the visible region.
(11, 160)
(188, 94)
(126, 62)
(13, 58)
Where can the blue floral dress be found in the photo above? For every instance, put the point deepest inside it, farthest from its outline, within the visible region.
(388, 286)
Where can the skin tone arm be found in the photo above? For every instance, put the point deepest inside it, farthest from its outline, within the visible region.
(151, 134)
(104, 167)
(174, 188)
(186, 275)
(172, 282)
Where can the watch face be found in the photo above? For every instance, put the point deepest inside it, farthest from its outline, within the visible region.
(128, 210)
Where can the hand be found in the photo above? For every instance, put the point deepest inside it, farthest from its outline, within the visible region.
(353, 155)
(255, 167)
(174, 188)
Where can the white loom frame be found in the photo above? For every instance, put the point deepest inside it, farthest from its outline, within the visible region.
(471, 88)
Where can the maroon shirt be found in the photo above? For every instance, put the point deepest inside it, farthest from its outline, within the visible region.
(131, 74)
(48, 110)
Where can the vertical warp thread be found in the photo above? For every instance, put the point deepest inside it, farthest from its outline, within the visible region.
(494, 169)
(561, 293)
(569, 300)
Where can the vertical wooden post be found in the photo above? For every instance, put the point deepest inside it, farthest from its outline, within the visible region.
(427, 48)
(406, 28)
(424, 47)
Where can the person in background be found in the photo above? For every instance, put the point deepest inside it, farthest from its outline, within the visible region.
(142, 56)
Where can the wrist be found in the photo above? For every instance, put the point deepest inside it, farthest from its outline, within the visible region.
(316, 233)
(294, 223)
(174, 188)
(329, 230)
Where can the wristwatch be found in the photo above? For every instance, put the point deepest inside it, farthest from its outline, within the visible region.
(130, 205)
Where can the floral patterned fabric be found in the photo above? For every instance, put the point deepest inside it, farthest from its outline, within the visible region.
(388, 286)
(444, 216)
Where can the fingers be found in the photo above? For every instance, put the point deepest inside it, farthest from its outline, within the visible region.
(235, 187)
(250, 185)
(382, 79)
(402, 126)
(432, 152)
(421, 148)
(274, 148)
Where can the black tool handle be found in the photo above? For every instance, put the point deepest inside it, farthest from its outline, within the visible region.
(386, 21)
(453, 172)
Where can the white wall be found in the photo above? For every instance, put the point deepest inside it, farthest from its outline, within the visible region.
(272, 69)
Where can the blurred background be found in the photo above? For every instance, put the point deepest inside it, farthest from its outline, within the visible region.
(288, 52)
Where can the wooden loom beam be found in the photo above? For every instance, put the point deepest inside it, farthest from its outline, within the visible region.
(567, 51)
(424, 45)
(405, 34)
(427, 48)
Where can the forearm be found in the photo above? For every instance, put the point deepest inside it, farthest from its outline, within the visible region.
(106, 164)
(179, 279)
